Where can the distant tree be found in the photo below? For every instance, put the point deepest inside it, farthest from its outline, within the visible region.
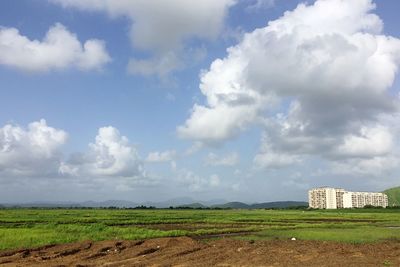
(372, 207)
(142, 207)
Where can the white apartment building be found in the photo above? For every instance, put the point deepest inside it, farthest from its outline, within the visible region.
(323, 198)
(334, 198)
(361, 199)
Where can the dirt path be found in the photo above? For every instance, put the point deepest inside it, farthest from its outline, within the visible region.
(185, 251)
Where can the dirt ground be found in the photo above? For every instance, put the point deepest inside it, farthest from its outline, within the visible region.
(185, 251)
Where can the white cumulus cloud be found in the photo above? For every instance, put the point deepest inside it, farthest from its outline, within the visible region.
(317, 79)
(59, 49)
(32, 151)
(111, 155)
(369, 142)
(161, 27)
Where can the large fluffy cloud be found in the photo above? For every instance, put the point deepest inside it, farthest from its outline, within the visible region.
(317, 78)
(34, 151)
(161, 27)
(110, 155)
(59, 49)
(31, 159)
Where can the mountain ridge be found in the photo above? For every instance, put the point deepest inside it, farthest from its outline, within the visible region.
(165, 204)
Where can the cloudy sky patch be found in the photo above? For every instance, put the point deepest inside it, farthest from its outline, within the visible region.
(264, 98)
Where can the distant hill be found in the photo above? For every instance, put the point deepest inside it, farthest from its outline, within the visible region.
(109, 203)
(232, 205)
(279, 204)
(393, 196)
(266, 205)
(177, 203)
(43, 205)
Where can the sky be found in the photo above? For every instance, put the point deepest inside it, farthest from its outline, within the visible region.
(236, 100)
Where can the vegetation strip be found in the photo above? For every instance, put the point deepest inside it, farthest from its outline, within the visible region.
(30, 228)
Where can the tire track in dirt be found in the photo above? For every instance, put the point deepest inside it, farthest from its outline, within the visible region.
(186, 251)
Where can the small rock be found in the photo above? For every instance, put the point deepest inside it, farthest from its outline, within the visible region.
(293, 239)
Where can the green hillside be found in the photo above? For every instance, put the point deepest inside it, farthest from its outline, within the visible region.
(393, 196)
(232, 205)
(266, 205)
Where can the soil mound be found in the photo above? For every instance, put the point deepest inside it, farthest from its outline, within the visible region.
(185, 251)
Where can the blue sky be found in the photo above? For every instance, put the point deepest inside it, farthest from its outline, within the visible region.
(141, 100)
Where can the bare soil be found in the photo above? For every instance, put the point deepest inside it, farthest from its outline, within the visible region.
(185, 251)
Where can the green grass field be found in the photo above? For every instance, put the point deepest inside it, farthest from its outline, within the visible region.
(25, 228)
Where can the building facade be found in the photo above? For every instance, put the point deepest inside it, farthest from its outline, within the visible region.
(362, 199)
(336, 198)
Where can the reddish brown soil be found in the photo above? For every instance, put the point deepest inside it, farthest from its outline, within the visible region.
(184, 251)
